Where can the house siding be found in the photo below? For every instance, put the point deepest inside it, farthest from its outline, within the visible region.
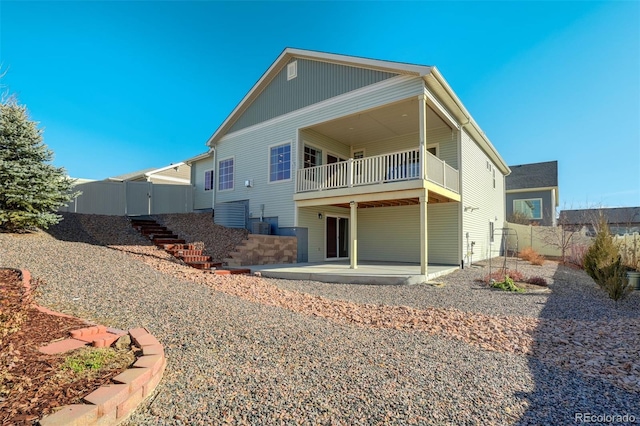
(250, 147)
(390, 234)
(548, 207)
(201, 199)
(442, 233)
(325, 143)
(477, 191)
(316, 81)
(308, 218)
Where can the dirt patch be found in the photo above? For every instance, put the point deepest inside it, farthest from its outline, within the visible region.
(33, 384)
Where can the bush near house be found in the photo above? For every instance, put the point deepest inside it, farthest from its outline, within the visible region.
(604, 264)
(531, 256)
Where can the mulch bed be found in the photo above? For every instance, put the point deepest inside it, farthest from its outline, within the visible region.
(32, 384)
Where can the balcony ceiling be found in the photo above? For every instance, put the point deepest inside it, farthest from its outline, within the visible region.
(381, 123)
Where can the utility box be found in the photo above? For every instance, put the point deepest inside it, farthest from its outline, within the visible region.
(262, 228)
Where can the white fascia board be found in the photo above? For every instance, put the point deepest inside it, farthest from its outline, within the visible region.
(266, 76)
(376, 64)
(398, 67)
(475, 129)
(162, 169)
(318, 105)
(171, 179)
(441, 108)
(198, 157)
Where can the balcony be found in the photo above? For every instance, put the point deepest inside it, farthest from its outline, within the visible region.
(377, 170)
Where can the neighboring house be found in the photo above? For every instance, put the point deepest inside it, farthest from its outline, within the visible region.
(203, 180)
(173, 174)
(532, 191)
(621, 220)
(361, 159)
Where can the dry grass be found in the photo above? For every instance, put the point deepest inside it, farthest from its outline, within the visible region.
(531, 256)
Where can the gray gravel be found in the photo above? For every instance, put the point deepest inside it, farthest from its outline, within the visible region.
(233, 361)
(574, 295)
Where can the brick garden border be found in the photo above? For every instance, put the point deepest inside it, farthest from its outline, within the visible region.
(111, 404)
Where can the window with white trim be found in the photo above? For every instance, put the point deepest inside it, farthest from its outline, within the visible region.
(225, 174)
(280, 162)
(312, 157)
(531, 208)
(208, 180)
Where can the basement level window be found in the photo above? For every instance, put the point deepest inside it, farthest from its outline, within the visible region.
(292, 70)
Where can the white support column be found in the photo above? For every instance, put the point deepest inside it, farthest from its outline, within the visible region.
(424, 244)
(353, 232)
(422, 108)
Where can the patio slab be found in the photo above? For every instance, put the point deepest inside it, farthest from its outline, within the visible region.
(377, 273)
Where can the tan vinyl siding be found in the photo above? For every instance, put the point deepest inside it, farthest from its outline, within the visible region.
(443, 136)
(316, 81)
(325, 143)
(478, 192)
(389, 234)
(201, 199)
(442, 231)
(250, 146)
(308, 218)
(183, 172)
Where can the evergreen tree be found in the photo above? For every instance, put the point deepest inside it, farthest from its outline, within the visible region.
(31, 189)
(603, 263)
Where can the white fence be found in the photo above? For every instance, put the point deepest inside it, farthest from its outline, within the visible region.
(131, 198)
(397, 166)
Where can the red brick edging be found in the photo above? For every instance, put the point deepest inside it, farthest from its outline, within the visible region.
(113, 403)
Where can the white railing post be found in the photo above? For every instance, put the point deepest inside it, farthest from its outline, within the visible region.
(350, 173)
(444, 174)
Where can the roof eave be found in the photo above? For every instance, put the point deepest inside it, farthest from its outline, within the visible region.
(269, 74)
(464, 117)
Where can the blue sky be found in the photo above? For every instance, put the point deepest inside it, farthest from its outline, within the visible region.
(121, 86)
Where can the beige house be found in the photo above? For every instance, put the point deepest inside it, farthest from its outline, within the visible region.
(173, 174)
(361, 159)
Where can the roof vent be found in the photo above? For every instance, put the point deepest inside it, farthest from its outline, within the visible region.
(292, 70)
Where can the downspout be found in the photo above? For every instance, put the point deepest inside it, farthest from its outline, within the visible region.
(215, 180)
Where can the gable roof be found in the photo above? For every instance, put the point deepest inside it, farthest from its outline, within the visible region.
(143, 173)
(618, 215)
(534, 175)
(433, 79)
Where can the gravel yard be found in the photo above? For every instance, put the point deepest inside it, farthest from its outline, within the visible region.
(248, 350)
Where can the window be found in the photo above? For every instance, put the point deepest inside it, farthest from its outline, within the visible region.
(208, 180)
(225, 174)
(491, 231)
(312, 157)
(531, 208)
(358, 154)
(292, 70)
(494, 178)
(280, 162)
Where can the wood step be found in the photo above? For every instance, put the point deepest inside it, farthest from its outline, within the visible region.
(204, 265)
(170, 247)
(232, 271)
(182, 252)
(193, 259)
(160, 242)
(154, 230)
(155, 237)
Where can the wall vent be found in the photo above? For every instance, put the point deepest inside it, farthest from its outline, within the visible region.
(292, 70)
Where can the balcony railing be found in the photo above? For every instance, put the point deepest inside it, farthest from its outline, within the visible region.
(379, 169)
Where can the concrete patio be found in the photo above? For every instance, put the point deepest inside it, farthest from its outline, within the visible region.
(380, 273)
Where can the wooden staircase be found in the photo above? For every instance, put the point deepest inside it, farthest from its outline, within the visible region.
(178, 248)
